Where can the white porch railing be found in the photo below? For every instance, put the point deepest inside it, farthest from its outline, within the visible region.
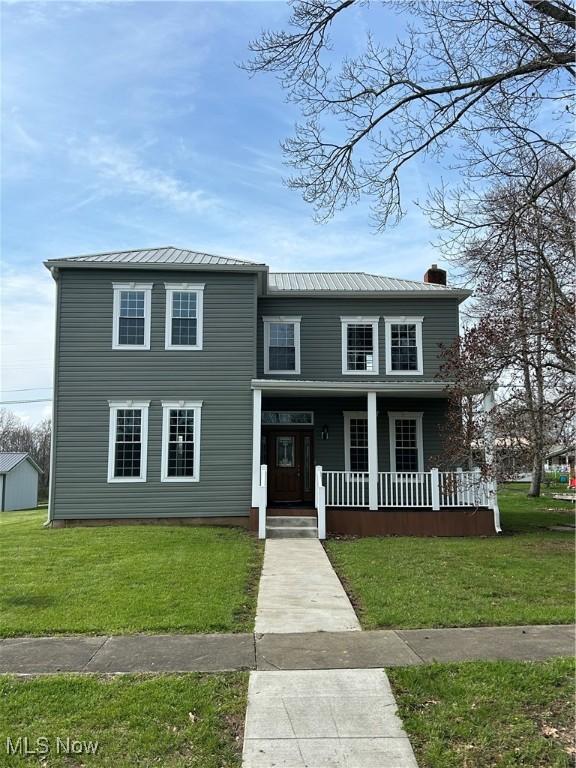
(346, 489)
(433, 489)
(262, 501)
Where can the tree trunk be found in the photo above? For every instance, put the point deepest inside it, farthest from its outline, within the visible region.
(536, 484)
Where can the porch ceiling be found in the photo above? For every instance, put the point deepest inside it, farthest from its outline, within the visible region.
(298, 387)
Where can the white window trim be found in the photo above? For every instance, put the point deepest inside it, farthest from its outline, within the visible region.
(415, 416)
(198, 289)
(118, 287)
(417, 321)
(196, 406)
(115, 406)
(348, 415)
(373, 321)
(295, 321)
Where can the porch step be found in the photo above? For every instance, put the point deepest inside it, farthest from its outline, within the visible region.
(291, 527)
(291, 521)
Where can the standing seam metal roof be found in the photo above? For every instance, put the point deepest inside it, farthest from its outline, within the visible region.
(9, 460)
(166, 255)
(344, 281)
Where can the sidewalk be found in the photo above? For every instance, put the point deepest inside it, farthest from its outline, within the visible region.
(288, 651)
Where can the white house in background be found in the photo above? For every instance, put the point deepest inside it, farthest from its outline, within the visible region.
(18, 481)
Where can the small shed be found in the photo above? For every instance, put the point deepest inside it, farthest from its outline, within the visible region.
(18, 481)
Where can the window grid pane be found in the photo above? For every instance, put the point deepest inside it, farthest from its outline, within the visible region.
(128, 446)
(406, 445)
(282, 349)
(184, 318)
(403, 347)
(359, 445)
(131, 318)
(360, 349)
(181, 442)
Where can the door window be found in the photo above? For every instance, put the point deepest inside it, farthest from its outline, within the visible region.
(285, 451)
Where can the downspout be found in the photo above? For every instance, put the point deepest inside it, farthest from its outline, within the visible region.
(3, 502)
(48, 523)
(488, 405)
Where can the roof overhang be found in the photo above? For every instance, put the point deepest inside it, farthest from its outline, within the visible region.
(344, 388)
(71, 264)
(454, 293)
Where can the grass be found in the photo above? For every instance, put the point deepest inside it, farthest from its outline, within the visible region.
(525, 576)
(124, 579)
(480, 714)
(173, 721)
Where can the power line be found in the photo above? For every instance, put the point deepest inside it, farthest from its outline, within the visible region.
(29, 389)
(20, 402)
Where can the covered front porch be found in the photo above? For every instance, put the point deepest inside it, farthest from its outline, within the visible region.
(361, 459)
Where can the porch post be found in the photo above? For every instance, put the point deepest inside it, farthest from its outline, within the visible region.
(372, 452)
(256, 439)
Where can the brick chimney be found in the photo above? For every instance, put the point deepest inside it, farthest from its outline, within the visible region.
(435, 275)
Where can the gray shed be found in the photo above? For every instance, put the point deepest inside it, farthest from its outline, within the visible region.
(18, 481)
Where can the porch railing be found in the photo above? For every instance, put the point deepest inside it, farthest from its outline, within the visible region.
(346, 489)
(433, 489)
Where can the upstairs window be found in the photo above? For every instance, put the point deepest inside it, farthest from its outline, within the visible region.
(404, 346)
(406, 450)
(356, 441)
(281, 344)
(184, 316)
(131, 325)
(359, 345)
(128, 443)
(181, 441)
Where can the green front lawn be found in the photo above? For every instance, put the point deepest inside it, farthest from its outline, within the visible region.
(480, 714)
(173, 721)
(525, 576)
(123, 579)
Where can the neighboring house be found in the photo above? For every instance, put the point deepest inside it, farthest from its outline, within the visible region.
(560, 458)
(211, 390)
(18, 481)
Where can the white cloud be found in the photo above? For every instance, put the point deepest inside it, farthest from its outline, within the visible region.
(123, 170)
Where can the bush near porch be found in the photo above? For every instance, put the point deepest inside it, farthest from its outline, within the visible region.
(524, 576)
(123, 579)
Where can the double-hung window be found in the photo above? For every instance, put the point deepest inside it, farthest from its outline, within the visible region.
(403, 346)
(181, 441)
(356, 441)
(359, 345)
(128, 441)
(131, 324)
(281, 344)
(184, 316)
(406, 448)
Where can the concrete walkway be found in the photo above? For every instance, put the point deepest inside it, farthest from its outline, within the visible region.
(298, 651)
(300, 592)
(324, 719)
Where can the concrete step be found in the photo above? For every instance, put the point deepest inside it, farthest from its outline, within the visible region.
(291, 521)
(294, 532)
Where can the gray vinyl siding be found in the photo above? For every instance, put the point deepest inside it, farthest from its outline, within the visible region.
(329, 411)
(89, 373)
(321, 334)
(21, 487)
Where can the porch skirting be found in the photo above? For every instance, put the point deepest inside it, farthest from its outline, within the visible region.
(359, 521)
(415, 521)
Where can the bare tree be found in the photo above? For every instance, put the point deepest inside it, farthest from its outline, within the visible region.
(475, 80)
(523, 316)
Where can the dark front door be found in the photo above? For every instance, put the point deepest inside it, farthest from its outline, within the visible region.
(290, 465)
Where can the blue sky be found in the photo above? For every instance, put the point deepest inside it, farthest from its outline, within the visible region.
(129, 125)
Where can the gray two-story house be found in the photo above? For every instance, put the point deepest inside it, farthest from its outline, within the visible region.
(203, 389)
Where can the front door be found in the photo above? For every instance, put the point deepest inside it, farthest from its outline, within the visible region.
(290, 465)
